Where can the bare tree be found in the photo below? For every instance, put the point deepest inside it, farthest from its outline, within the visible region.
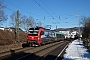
(30, 21)
(86, 31)
(13, 19)
(39, 24)
(3, 17)
(27, 22)
(24, 21)
(86, 25)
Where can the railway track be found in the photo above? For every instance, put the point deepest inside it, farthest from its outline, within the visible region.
(44, 53)
(24, 52)
(5, 55)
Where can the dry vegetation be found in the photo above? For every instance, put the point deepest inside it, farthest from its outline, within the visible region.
(7, 40)
(8, 37)
(86, 31)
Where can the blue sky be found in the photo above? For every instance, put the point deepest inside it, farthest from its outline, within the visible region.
(60, 10)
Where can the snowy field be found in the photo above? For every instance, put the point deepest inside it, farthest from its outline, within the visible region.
(76, 51)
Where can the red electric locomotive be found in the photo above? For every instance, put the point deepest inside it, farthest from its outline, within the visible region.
(39, 35)
(34, 36)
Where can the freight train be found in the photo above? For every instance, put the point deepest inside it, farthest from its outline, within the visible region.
(40, 35)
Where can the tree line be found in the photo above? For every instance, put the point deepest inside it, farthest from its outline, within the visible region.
(86, 31)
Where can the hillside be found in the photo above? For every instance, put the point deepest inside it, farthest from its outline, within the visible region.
(68, 29)
(8, 37)
(8, 41)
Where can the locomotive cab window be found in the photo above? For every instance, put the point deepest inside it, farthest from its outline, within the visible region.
(33, 31)
(41, 33)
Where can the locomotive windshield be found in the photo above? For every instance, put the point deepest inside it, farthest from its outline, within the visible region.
(33, 31)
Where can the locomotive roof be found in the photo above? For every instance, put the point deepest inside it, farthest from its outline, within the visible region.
(37, 28)
(59, 33)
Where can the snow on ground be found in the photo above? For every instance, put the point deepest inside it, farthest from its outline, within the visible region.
(76, 51)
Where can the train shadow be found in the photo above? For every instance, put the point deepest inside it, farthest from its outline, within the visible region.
(19, 56)
(27, 56)
(25, 45)
(51, 57)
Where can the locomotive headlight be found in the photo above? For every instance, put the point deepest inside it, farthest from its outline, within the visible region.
(38, 38)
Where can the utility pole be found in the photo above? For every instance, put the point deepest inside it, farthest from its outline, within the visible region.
(79, 28)
(17, 26)
(56, 26)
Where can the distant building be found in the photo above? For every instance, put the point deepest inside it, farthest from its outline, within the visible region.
(11, 29)
(8, 29)
(69, 34)
(66, 33)
(74, 34)
(1, 28)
